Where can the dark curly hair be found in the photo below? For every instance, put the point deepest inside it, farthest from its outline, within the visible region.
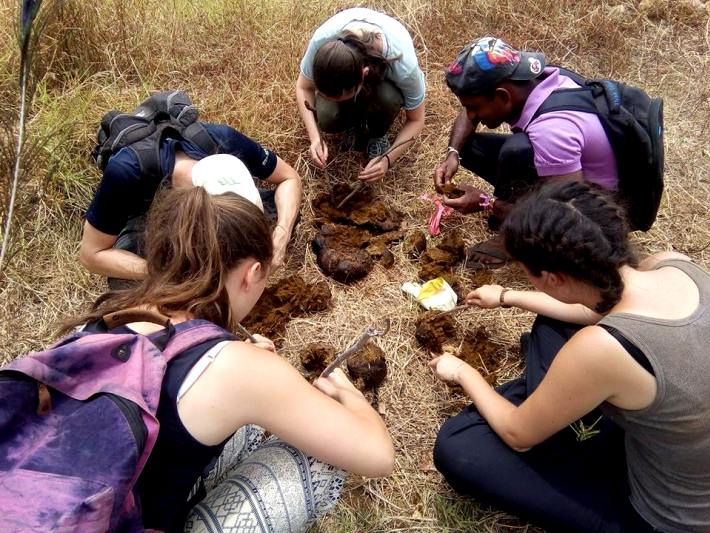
(575, 228)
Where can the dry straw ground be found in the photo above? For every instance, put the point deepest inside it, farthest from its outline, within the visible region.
(239, 60)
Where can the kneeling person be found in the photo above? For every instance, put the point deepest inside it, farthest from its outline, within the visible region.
(112, 236)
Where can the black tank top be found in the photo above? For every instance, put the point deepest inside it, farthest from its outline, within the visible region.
(178, 461)
(171, 482)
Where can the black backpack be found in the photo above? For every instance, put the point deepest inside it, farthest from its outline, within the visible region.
(143, 130)
(633, 123)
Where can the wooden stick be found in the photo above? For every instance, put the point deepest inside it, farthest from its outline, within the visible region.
(455, 309)
(244, 331)
(368, 333)
(360, 185)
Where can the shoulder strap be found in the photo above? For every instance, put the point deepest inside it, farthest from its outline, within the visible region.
(197, 133)
(191, 333)
(633, 350)
(578, 99)
(147, 151)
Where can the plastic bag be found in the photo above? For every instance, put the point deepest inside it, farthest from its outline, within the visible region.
(435, 294)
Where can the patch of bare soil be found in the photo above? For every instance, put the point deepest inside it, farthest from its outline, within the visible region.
(290, 297)
(434, 329)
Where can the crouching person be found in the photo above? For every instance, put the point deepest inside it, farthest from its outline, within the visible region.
(208, 257)
(112, 242)
(612, 338)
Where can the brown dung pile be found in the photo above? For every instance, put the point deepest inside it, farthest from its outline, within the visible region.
(290, 297)
(479, 352)
(434, 329)
(316, 357)
(368, 368)
(357, 235)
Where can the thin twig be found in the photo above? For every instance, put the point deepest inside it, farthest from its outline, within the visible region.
(244, 331)
(368, 333)
(392, 148)
(360, 185)
(455, 309)
(312, 109)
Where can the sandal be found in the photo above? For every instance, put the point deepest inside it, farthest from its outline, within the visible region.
(493, 252)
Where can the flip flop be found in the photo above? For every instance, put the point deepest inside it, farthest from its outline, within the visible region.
(492, 248)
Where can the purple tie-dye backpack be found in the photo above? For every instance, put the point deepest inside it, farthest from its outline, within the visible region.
(77, 424)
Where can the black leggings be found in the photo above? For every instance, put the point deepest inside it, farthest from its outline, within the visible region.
(560, 484)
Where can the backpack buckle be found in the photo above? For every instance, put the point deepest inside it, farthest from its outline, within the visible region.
(44, 399)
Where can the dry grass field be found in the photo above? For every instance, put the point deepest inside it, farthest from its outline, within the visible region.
(238, 60)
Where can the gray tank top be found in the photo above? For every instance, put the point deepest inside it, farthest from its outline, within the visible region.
(668, 442)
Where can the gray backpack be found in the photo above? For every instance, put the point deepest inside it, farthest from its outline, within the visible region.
(167, 113)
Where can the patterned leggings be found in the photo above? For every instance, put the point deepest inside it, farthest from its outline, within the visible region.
(262, 485)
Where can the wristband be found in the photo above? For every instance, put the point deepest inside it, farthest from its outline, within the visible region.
(389, 163)
(501, 299)
(451, 149)
(487, 201)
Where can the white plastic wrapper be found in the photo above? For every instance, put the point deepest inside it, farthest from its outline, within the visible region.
(435, 294)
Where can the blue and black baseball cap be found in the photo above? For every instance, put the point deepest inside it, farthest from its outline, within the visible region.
(485, 62)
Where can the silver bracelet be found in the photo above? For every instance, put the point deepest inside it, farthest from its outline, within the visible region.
(454, 150)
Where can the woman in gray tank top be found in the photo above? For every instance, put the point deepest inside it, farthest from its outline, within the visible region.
(609, 428)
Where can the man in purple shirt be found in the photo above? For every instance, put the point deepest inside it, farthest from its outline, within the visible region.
(496, 83)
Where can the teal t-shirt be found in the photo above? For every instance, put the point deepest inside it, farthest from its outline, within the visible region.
(404, 72)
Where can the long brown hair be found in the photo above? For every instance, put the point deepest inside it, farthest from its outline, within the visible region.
(338, 63)
(193, 240)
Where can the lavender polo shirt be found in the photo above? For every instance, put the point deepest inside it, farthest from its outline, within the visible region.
(567, 141)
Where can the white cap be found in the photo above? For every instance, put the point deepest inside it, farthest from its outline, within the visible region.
(222, 173)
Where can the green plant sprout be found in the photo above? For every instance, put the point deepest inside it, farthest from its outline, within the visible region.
(584, 432)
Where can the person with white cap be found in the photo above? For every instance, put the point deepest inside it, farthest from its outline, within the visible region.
(111, 243)
(222, 173)
(496, 83)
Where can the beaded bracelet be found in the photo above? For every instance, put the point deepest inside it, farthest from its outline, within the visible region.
(501, 299)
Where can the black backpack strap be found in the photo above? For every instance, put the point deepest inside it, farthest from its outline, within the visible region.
(147, 151)
(579, 99)
(583, 98)
(571, 74)
(197, 134)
